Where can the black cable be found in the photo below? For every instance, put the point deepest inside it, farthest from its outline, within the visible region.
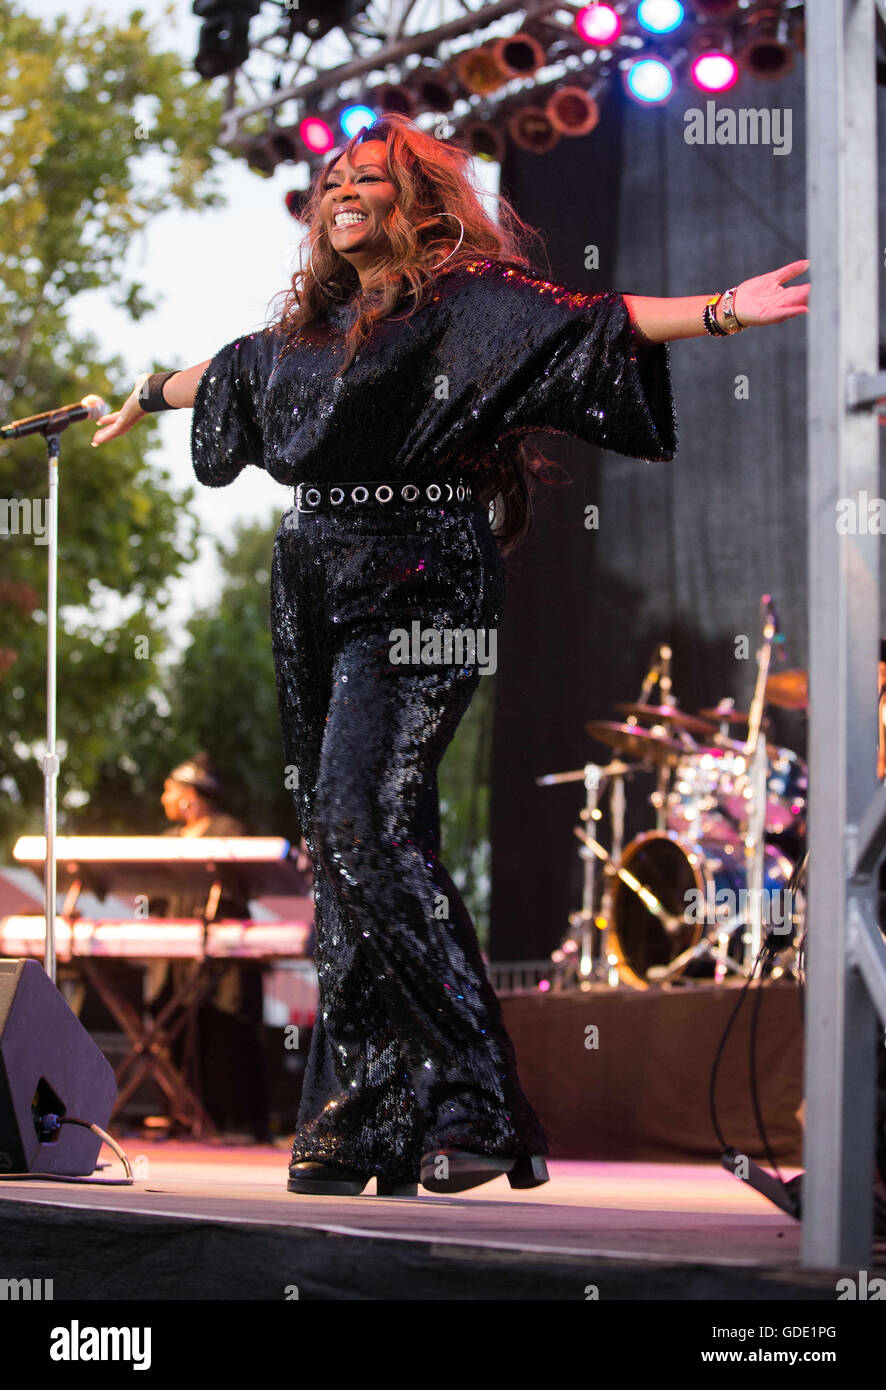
(752, 1066)
(62, 1177)
(718, 1056)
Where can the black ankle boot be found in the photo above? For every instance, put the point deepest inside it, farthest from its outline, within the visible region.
(333, 1180)
(462, 1170)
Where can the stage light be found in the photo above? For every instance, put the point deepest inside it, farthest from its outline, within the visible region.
(316, 134)
(479, 71)
(649, 80)
(660, 16)
(714, 72)
(485, 141)
(353, 118)
(598, 24)
(316, 17)
(520, 55)
(572, 111)
(223, 44)
(276, 145)
(431, 86)
(765, 49)
(391, 96)
(531, 129)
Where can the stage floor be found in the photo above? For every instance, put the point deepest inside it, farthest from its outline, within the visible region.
(645, 1229)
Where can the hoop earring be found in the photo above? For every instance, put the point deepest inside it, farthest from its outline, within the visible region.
(311, 256)
(457, 244)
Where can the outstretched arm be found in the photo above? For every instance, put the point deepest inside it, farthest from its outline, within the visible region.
(762, 300)
(178, 391)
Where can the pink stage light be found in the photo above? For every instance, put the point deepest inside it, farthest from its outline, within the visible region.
(714, 72)
(598, 24)
(316, 134)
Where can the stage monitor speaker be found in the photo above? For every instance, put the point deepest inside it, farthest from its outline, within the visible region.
(48, 1065)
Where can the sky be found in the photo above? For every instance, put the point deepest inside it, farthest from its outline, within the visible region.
(214, 274)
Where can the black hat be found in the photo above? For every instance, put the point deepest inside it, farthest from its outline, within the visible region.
(198, 772)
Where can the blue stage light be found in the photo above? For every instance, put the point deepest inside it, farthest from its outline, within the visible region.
(649, 80)
(660, 16)
(353, 118)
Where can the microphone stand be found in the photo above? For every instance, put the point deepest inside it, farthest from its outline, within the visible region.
(50, 757)
(50, 425)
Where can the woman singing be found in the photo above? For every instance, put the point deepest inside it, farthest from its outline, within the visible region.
(391, 392)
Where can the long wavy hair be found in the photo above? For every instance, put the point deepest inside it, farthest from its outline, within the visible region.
(434, 185)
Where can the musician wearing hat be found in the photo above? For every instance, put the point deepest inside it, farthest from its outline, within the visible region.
(230, 1059)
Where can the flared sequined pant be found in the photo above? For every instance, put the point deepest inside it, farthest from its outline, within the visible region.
(408, 1053)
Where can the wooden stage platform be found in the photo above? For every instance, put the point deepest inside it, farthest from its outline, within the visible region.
(215, 1222)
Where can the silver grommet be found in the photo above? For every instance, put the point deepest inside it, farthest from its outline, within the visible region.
(409, 492)
(460, 492)
(336, 501)
(384, 488)
(448, 487)
(313, 496)
(432, 488)
(360, 488)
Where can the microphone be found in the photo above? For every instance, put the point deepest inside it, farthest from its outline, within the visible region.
(771, 611)
(54, 421)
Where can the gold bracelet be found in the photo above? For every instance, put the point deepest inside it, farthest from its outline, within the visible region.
(730, 320)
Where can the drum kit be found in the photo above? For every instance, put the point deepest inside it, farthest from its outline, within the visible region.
(720, 876)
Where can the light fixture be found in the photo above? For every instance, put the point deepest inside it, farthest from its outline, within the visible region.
(479, 71)
(598, 24)
(660, 16)
(519, 55)
(352, 119)
(765, 49)
(531, 129)
(485, 141)
(572, 111)
(223, 42)
(649, 81)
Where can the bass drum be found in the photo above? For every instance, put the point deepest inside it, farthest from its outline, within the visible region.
(686, 879)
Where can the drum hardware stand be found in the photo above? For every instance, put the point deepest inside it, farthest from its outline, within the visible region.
(714, 944)
(757, 773)
(660, 671)
(648, 899)
(595, 962)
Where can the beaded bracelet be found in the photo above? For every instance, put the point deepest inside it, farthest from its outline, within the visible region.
(709, 318)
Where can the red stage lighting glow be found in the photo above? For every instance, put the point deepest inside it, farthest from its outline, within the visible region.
(598, 24)
(316, 134)
(714, 72)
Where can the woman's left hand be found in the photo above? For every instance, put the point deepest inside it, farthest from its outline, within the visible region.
(765, 299)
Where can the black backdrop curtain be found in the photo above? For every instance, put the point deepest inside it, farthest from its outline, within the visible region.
(684, 550)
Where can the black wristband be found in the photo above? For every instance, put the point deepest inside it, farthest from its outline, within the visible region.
(150, 397)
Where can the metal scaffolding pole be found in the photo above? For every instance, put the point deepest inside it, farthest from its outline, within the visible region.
(846, 959)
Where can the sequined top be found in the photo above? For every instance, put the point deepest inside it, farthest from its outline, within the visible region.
(497, 352)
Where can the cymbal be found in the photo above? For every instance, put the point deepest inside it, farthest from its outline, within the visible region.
(734, 745)
(788, 689)
(668, 714)
(718, 716)
(637, 743)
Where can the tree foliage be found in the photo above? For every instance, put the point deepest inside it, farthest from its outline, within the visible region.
(100, 130)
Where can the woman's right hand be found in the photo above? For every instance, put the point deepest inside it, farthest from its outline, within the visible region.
(119, 421)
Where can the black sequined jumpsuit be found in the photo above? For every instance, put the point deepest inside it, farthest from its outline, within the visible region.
(408, 1053)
